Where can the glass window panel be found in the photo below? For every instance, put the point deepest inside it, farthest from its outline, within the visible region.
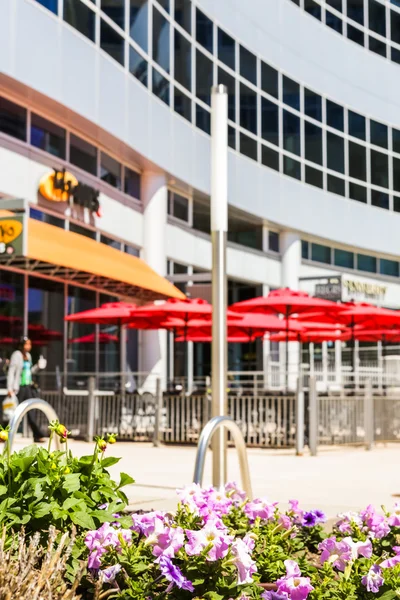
(335, 152)
(379, 168)
(50, 5)
(203, 119)
(377, 46)
(312, 104)
(291, 167)
(355, 35)
(161, 40)
(321, 253)
(183, 60)
(183, 14)
(81, 17)
(11, 311)
(131, 250)
(248, 108)
(334, 22)
(111, 42)
(182, 104)
(396, 174)
(358, 192)
(269, 80)
(313, 143)
(161, 86)
(366, 263)
(273, 241)
(248, 146)
(231, 137)
(291, 92)
(81, 357)
(270, 121)
(334, 115)
(39, 215)
(132, 183)
(377, 17)
(204, 30)
(178, 206)
(115, 9)
(12, 119)
(291, 132)
(357, 161)
(304, 249)
(75, 228)
(47, 136)
(395, 26)
(110, 170)
(396, 203)
(82, 154)
(204, 77)
(336, 185)
(343, 258)
(380, 199)
(379, 134)
(389, 267)
(248, 65)
(138, 19)
(336, 4)
(396, 140)
(229, 81)
(355, 10)
(270, 158)
(356, 125)
(164, 4)
(226, 49)
(138, 65)
(314, 177)
(312, 8)
(104, 239)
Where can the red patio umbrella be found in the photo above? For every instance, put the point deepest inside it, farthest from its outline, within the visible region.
(207, 339)
(111, 313)
(287, 302)
(104, 338)
(317, 337)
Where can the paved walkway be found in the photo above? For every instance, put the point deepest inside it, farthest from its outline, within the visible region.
(338, 479)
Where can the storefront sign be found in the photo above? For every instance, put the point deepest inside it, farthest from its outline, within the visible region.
(331, 289)
(368, 290)
(11, 235)
(62, 186)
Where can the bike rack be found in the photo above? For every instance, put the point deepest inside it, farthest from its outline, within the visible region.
(22, 410)
(204, 441)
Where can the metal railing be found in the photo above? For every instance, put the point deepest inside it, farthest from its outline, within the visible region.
(22, 410)
(206, 436)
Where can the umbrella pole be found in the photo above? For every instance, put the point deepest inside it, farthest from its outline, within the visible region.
(384, 365)
(287, 353)
(122, 341)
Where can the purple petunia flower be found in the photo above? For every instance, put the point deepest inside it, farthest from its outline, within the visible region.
(234, 492)
(334, 552)
(245, 565)
(294, 585)
(394, 518)
(209, 537)
(393, 561)
(260, 508)
(109, 574)
(309, 519)
(98, 542)
(173, 574)
(373, 580)
(274, 596)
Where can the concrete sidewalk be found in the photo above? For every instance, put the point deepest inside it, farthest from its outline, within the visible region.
(337, 480)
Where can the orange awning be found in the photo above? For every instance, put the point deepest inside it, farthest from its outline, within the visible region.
(53, 251)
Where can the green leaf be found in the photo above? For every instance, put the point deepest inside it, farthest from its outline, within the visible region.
(3, 490)
(109, 461)
(125, 480)
(71, 482)
(70, 502)
(83, 519)
(41, 510)
(86, 460)
(389, 595)
(213, 596)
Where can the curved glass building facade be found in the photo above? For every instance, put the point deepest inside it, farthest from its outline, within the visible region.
(117, 92)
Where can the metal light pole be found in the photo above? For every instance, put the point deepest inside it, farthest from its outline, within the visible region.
(219, 228)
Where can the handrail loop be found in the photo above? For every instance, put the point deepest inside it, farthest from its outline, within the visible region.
(20, 412)
(204, 441)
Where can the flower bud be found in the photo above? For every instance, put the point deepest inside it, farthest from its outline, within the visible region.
(111, 438)
(3, 435)
(67, 470)
(102, 445)
(61, 430)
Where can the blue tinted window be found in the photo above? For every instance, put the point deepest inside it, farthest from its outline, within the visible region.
(48, 136)
(343, 258)
(313, 9)
(182, 104)
(355, 10)
(248, 108)
(229, 81)
(160, 40)
(231, 137)
(183, 60)
(248, 146)
(312, 104)
(380, 199)
(138, 22)
(356, 125)
(270, 158)
(304, 249)
(291, 92)
(138, 65)
(334, 115)
(248, 65)
(270, 121)
(366, 263)
(335, 152)
(395, 26)
(314, 177)
(334, 22)
(355, 35)
(183, 14)
(50, 4)
(358, 192)
(160, 86)
(377, 17)
(357, 161)
(395, 54)
(291, 132)
(226, 49)
(164, 4)
(269, 80)
(132, 183)
(389, 267)
(379, 168)
(204, 77)
(336, 4)
(396, 174)
(203, 119)
(115, 9)
(204, 30)
(396, 140)
(321, 253)
(377, 46)
(379, 134)
(12, 119)
(291, 167)
(336, 185)
(80, 16)
(313, 143)
(111, 42)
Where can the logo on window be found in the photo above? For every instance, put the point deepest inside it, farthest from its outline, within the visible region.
(10, 230)
(62, 186)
